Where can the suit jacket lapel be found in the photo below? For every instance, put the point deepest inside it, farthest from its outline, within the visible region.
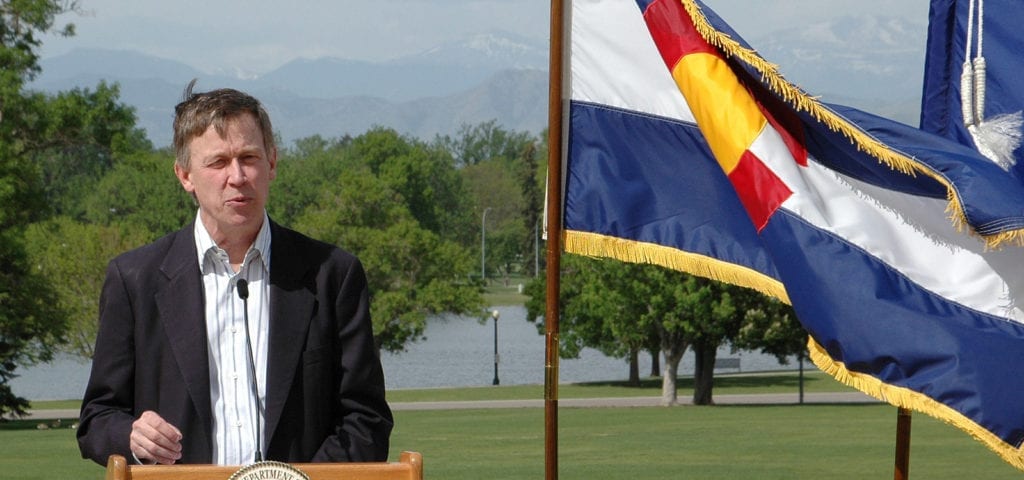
(180, 305)
(291, 309)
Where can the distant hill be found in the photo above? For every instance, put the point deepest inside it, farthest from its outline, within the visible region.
(516, 98)
(874, 63)
(495, 76)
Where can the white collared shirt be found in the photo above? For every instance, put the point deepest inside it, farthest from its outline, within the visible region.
(231, 391)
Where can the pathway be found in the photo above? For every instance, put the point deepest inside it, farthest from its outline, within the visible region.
(747, 399)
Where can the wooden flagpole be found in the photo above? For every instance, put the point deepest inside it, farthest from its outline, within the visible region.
(554, 241)
(902, 470)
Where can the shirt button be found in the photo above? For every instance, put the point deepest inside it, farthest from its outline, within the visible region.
(239, 424)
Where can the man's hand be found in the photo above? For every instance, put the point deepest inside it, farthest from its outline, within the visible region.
(155, 440)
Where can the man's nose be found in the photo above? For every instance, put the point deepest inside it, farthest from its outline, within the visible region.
(236, 174)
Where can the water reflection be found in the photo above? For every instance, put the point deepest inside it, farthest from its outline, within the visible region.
(458, 352)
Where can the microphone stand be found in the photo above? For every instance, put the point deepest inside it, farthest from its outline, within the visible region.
(243, 293)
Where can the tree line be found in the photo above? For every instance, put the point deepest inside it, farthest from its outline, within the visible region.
(625, 309)
(81, 183)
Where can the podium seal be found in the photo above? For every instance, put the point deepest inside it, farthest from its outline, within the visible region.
(269, 470)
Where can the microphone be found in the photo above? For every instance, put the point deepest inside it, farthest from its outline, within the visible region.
(243, 292)
(243, 289)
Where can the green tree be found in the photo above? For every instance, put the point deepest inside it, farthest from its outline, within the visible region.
(413, 272)
(130, 204)
(771, 327)
(621, 308)
(484, 142)
(706, 316)
(603, 305)
(424, 176)
(304, 171)
(140, 193)
(398, 204)
(501, 171)
(80, 133)
(30, 323)
(496, 193)
(531, 185)
(74, 256)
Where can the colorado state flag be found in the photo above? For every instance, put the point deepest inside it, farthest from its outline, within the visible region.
(899, 250)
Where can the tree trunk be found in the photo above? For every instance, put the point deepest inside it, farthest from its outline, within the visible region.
(704, 373)
(673, 356)
(634, 368)
(656, 363)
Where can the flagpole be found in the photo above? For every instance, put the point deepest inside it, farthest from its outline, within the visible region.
(554, 241)
(902, 471)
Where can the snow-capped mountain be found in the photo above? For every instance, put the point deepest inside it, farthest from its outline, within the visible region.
(872, 62)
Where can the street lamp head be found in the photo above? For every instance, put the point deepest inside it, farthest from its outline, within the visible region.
(495, 314)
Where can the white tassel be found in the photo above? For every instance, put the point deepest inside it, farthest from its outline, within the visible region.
(967, 94)
(998, 137)
(979, 88)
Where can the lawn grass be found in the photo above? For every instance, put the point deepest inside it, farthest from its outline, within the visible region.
(56, 404)
(762, 442)
(722, 442)
(503, 292)
(30, 453)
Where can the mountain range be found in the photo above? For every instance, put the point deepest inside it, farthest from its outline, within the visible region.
(871, 62)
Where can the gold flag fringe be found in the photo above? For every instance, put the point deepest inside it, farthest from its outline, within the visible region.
(864, 142)
(596, 245)
(906, 398)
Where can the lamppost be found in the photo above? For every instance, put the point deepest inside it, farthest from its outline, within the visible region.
(536, 247)
(494, 315)
(483, 245)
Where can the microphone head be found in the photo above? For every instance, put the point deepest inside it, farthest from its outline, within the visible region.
(243, 288)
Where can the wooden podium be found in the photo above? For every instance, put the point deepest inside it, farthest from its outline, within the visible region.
(409, 467)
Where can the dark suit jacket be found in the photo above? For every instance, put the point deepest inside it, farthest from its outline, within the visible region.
(325, 387)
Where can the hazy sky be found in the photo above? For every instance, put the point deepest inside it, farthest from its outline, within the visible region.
(256, 36)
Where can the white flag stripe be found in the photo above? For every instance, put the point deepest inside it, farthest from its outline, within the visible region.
(915, 236)
(615, 62)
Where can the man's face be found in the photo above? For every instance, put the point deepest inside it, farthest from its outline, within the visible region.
(230, 177)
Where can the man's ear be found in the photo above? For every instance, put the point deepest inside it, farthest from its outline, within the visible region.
(185, 178)
(272, 158)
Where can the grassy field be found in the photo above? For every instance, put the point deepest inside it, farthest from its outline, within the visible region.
(501, 291)
(721, 442)
(769, 442)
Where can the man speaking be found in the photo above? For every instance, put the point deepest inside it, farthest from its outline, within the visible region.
(234, 339)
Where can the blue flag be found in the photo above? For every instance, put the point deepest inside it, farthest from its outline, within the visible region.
(899, 249)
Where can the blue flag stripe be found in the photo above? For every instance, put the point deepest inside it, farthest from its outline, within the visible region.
(905, 335)
(657, 155)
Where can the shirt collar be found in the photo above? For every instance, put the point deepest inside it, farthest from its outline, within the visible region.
(205, 245)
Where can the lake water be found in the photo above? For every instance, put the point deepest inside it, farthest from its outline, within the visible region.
(458, 352)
